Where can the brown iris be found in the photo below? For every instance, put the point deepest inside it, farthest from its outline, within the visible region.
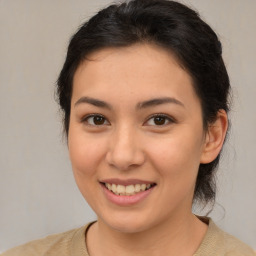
(159, 120)
(98, 120)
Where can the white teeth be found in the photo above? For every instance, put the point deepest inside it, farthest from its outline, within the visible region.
(143, 187)
(113, 188)
(120, 189)
(137, 188)
(127, 190)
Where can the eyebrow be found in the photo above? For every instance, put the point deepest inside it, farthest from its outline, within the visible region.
(140, 105)
(158, 101)
(94, 102)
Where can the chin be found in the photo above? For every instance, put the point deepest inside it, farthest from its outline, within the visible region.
(128, 224)
(129, 228)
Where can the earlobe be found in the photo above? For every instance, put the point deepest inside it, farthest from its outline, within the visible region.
(215, 137)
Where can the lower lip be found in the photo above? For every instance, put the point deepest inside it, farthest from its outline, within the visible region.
(126, 200)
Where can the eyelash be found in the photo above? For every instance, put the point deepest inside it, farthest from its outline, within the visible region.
(86, 118)
(164, 116)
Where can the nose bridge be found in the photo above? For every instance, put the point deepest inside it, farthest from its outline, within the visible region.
(125, 149)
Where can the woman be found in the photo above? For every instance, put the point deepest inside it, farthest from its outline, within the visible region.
(144, 92)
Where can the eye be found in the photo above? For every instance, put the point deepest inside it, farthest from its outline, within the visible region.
(159, 120)
(95, 120)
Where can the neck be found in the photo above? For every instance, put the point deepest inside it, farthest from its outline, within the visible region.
(180, 236)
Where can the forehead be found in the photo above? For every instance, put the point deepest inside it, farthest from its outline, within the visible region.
(142, 54)
(138, 70)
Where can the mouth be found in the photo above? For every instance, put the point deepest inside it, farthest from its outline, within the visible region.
(128, 190)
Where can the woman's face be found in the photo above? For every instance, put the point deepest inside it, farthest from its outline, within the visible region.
(135, 125)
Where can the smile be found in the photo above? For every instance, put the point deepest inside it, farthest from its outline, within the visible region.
(129, 190)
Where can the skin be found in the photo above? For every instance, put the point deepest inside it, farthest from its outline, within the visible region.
(128, 143)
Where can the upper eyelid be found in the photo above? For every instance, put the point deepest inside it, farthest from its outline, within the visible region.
(171, 119)
(92, 114)
(161, 115)
(84, 118)
(168, 117)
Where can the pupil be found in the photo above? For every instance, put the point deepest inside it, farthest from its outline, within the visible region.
(159, 120)
(98, 120)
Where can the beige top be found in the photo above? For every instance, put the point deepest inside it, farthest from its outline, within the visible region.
(72, 243)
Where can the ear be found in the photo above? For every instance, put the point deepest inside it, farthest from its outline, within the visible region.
(215, 137)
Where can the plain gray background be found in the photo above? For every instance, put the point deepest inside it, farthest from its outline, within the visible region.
(38, 195)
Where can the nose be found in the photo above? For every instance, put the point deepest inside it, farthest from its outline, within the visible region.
(125, 151)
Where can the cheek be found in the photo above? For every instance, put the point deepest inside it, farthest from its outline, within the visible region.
(177, 156)
(177, 162)
(85, 153)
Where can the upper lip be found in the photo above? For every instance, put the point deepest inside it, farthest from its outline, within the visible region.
(126, 182)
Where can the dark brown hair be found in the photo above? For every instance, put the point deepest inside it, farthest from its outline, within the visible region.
(170, 25)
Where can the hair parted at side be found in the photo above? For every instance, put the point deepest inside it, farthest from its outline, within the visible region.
(172, 26)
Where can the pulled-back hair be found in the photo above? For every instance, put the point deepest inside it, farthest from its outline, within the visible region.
(172, 26)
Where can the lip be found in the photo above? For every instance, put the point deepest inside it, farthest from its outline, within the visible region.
(126, 200)
(126, 182)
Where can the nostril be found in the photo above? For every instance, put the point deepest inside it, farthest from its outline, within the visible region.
(125, 159)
